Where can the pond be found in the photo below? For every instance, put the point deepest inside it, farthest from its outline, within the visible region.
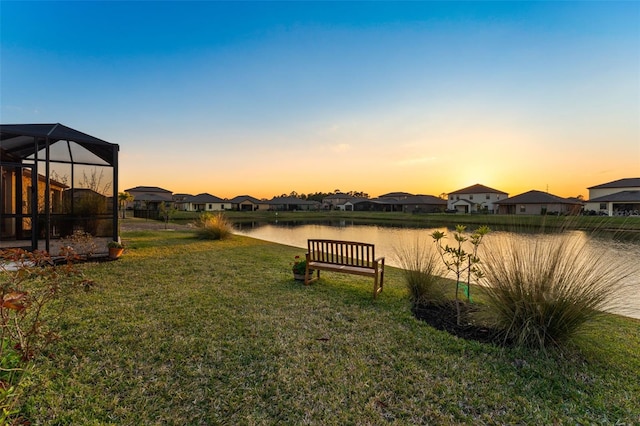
(388, 239)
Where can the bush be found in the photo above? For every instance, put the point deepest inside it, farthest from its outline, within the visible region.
(80, 243)
(29, 285)
(423, 274)
(213, 227)
(542, 291)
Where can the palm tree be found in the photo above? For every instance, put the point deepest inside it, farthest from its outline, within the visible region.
(124, 198)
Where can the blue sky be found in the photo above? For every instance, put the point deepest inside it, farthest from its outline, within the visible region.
(265, 98)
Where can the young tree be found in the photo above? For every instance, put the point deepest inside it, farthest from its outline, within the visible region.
(94, 182)
(460, 261)
(166, 212)
(123, 199)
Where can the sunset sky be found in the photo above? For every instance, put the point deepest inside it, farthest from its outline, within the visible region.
(272, 97)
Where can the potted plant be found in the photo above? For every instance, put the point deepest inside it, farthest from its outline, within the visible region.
(115, 249)
(299, 267)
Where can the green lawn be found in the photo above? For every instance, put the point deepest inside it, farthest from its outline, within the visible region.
(503, 222)
(182, 331)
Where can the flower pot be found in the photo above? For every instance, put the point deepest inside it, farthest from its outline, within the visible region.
(300, 277)
(115, 252)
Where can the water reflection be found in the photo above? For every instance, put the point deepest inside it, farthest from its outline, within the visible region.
(388, 238)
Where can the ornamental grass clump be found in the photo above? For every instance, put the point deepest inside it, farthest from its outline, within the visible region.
(213, 227)
(542, 291)
(423, 274)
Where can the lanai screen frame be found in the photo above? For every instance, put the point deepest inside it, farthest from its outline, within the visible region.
(20, 145)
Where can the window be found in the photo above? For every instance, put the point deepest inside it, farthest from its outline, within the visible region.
(457, 197)
(471, 197)
(523, 209)
(487, 196)
(603, 206)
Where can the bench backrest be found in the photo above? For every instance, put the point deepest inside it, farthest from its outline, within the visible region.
(349, 253)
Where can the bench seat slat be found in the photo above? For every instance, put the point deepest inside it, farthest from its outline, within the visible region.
(358, 270)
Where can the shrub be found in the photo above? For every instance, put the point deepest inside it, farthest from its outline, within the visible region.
(80, 242)
(29, 284)
(542, 291)
(213, 227)
(423, 274)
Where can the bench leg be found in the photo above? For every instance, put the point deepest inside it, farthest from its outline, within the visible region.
(378, 283)
(375, 286)
(308, 275)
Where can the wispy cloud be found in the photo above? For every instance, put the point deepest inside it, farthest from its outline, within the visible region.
(342, 147)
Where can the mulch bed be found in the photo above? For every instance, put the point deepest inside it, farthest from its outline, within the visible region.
(444, 317)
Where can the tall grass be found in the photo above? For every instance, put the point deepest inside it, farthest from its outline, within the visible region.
(213, 226)
(423, 273)
(542, 291)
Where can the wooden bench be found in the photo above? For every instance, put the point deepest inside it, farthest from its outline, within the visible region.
(349, 257)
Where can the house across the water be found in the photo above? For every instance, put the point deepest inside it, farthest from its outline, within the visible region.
(538, 202)
(617, 198)
(475, 199)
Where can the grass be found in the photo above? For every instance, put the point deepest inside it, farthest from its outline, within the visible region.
(187, 332)
(533, 223)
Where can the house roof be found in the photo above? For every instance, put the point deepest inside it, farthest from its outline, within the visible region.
(290, 200)
(396, 195)
(620, 197)
(537, 197)
(181, 197)
(204, 198)
(620, 183)
(242, 198)
(23, 140)
(424, 199)
(147, 189)
(152, 197)
(477, 189)
(150, 193)
(42, 178)
(82, 192)
(412, 199)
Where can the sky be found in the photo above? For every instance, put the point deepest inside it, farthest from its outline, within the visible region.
(266, 98)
